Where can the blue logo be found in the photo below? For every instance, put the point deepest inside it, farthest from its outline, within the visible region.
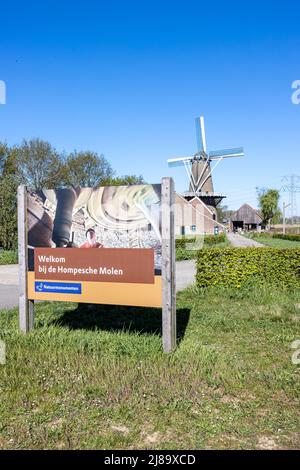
(57, 287)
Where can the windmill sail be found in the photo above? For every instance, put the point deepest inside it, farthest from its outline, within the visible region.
(179, 161)
(198, 166)
(201, 170)
(228, 153)
(200, 134)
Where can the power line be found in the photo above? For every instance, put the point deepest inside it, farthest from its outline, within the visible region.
(244, 189)
(291, 185)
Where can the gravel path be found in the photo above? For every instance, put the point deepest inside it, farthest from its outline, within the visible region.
(238, 240)
(185, 274)
(9, 286)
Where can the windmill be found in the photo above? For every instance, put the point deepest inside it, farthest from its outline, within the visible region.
(199, 168)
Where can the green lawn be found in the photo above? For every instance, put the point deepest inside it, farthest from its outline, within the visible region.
(276, 242)
(97, 378)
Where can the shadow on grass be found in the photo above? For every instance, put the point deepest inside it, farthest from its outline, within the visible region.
(141, 320)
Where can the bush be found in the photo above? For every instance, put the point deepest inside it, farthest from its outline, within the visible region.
(288, 236)
(239, 267)
(182, 254)
(181, 242)
(8, 257)
(8, 212)
(185, 252)
(259, 235)
(210, 240)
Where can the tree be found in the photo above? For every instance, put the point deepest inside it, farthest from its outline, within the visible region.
(124, 180)
(39, 164)
(3, 152)
(9, 164)
(8, 212)
(268, 202)
(8, 197)
(87, 168)
(223, 213)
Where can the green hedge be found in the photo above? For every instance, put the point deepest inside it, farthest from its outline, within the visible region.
(209, 240)
(287, 236)
(259, 235)
(239, 267)
(182, 254)
(181, 242)
(8, 257)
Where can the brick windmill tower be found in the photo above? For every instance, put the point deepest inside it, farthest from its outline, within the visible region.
(199, 168)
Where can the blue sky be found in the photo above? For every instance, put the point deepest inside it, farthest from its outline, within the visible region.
(127, 79)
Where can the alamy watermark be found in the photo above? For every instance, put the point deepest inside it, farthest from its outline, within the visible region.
(2, 92)
(296, 345)
(296, 355)
(296, 93)
(2, 353)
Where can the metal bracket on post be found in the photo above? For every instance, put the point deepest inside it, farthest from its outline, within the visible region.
(26, 306)
(168, 265)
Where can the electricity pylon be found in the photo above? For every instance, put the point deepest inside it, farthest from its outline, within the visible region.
(291, 185)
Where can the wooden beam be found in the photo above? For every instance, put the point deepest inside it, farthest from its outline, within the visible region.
(168, 265)
(26, 307)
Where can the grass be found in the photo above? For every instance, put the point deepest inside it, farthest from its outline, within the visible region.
(97, 378)
(8, 257)
(276, 242)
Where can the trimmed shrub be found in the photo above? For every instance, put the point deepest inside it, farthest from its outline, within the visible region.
(288, 236)
(210, 240)
(259, 235)
(239, 267)
(181, 242)
(182, 254)
(8, 257)
(184, 251)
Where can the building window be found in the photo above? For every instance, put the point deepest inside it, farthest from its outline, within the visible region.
(193, 228)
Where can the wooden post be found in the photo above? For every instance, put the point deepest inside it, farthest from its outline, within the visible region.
(168, 265)
(26, 307)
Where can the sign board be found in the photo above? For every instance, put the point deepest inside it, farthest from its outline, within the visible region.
(103, 245)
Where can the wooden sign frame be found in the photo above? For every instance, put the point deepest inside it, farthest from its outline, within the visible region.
(26, 306)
